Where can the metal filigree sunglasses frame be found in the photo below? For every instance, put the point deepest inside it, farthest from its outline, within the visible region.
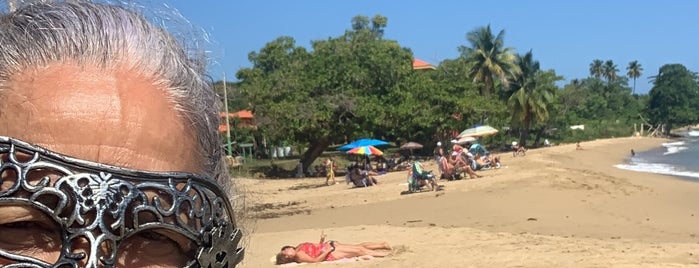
(104, 205)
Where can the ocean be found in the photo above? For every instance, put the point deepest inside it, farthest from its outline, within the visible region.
(677, 158)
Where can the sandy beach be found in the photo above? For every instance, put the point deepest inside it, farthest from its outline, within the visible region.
(554, 207)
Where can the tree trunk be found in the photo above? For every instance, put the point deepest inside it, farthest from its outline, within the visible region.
(316, 149)
(538, 136)
(523, 135)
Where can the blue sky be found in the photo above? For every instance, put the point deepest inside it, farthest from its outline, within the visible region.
(563, 35)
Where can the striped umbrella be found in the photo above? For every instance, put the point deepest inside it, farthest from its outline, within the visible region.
(478, 131)
(365, 150)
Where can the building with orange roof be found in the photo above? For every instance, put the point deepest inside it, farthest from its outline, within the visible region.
(422, 65)
(244, 119)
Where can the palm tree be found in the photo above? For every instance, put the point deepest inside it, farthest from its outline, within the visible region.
(596, 68)
(634, 71)
(610, 71)
(529, 100)
(489, 59)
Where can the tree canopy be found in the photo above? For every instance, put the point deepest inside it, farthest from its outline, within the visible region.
(360, 84)
(353, 85)
(674, 98)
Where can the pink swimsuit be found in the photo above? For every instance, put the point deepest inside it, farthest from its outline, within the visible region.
(314, 250)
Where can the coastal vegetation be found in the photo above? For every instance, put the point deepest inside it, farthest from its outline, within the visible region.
(360, 84)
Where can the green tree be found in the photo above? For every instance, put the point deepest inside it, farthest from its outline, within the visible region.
(674, 98)
(346, 87)
(597, 68)
(489, 59)
(634, 70)
(610, 71)
(455, 114)
(533, 93)
(375, 26)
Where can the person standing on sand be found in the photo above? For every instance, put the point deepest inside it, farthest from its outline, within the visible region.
(330, 171)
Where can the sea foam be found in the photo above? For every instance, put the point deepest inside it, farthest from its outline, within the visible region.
(674, 147)
(658, 169)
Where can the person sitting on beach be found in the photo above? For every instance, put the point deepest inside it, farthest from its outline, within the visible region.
(480, 162)
(457, 158)
(578, 147)
(423, 177)
(438, 151)
(450, 169)
(329, 251)
(368, 169)
(492, 161)
(393, 161)
(518, 149)
(361, 178)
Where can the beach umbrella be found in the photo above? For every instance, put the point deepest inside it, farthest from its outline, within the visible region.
(464, 140)
(365, 150)
(411, 146)
(478, 131)
(362, 142)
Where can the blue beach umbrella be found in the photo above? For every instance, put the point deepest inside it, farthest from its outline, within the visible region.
(362, 142)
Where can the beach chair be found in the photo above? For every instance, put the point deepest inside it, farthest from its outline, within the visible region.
(418, 178)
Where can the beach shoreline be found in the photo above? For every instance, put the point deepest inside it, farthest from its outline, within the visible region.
(552, 206)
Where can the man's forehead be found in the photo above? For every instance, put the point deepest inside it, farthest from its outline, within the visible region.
(98, 115)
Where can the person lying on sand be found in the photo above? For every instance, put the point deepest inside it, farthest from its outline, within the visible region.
(330, 251)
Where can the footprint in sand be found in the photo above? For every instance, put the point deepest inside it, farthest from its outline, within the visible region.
(399, 249)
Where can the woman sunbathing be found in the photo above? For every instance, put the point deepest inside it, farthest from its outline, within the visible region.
(330, 251)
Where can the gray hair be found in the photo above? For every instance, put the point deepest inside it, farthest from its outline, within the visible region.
(109, 36)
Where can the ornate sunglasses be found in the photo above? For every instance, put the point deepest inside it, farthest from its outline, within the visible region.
(100, 206)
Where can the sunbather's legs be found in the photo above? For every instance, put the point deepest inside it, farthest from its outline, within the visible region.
(471, 173)
(376, 245)
(350, 251)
